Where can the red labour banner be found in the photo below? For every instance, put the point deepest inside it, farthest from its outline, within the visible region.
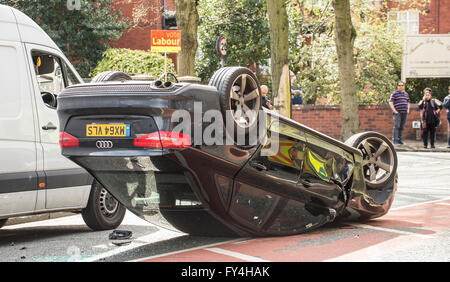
(165, 41)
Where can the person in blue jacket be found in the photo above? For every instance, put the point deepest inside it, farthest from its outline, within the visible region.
(296, 93)
(297, 96)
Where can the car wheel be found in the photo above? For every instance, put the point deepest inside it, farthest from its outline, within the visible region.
(111, 76)
(379, 158)
(240, 95)
(3, 222)
(103, 211)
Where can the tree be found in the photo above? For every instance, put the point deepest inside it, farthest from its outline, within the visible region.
(244, 24)
(187, 21)
(377, 54)
(279, 50)
(345, 39)
(133, 62)
(82, 32)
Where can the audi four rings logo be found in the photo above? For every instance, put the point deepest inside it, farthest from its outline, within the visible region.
(104, 144)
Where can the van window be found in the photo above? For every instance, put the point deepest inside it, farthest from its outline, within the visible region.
(71, 77)
(53, 75)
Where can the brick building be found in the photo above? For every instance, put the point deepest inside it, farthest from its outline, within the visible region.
(144, 16)
(420, 16)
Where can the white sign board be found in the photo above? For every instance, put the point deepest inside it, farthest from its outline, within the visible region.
(426, 55)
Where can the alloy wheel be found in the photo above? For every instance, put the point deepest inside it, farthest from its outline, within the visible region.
(244, 100)
(378, 160)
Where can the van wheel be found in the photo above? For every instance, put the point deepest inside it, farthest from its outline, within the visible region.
(3, 222)
(111, 76)
(103, 211)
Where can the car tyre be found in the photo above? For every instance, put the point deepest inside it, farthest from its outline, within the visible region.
(103, 211)
(240, 94)
(111, 76)
(379, 158)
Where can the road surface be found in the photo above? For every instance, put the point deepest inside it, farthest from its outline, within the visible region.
(417, 228)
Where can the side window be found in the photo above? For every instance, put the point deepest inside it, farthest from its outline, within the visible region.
(71, 77)
(52, 75)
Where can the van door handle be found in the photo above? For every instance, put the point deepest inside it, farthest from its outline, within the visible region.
(49, 126)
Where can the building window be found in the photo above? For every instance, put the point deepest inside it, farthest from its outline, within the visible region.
(406, 21)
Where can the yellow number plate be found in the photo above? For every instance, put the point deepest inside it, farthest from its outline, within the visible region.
(107, 130)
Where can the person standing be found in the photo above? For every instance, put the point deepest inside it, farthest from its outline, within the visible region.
(264, 100)
(429, 115)
(446, 105)
(297, 96)
(399, 103)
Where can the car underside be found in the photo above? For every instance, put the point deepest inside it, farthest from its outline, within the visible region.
(234, 169)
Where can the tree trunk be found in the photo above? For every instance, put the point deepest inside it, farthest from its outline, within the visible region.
(345, 38)
(279, 49)
(187, 21)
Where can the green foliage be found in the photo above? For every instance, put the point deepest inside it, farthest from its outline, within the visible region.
(81, 34)
(378, 55)
(133, 62)
(415, 87)
(243, 23)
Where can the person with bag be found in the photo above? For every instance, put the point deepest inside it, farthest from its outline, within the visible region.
(430, 117)
(446, 105)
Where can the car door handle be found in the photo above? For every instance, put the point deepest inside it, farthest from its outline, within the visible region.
(306, 183)
(258, 166)
(49, 126)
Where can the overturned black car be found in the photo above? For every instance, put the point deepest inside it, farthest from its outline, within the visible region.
(208, 160)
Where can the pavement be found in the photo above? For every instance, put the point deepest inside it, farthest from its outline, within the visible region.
(417, 146)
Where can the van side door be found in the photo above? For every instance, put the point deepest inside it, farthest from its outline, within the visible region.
(18, 176)
(67, 184)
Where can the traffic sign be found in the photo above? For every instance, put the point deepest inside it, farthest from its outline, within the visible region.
(221, 46)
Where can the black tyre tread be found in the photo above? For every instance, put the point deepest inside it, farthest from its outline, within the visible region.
(111, 76)
(92, 215)
(215, 79)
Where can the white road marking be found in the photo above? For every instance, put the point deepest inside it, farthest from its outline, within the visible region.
(391, 230)
(420, 204)
(190, 249)
(236, 255)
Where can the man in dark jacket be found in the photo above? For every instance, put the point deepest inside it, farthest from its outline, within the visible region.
(399, 103)
(446, 105)
(264, 100)
(429, 115)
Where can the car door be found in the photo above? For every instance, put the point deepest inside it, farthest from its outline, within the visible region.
(18, 176)
(66, 183)
(269, 181)
(289, 185)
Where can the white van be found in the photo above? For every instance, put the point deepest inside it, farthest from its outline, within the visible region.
(34, 176)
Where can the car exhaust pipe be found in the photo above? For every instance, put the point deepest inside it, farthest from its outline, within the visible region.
(159, 84)
(167, 84)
